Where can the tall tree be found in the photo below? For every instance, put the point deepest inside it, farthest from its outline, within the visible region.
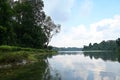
(38, 11)
(29, 33)
(6, 14)
(24, 23)
(50, 28)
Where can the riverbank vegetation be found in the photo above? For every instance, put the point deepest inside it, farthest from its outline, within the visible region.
(113, 45)
(19, 55)
(25, 31)
(18, 63)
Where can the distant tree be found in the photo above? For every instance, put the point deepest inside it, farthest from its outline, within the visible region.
(104, 45)
(90, 45)
(85, 47)
(95, 46)
(118, 42)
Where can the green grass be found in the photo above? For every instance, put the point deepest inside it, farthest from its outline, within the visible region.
(13, 54)
(15, 48)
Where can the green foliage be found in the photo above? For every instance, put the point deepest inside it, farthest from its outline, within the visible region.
(24, 28)
(104, 45)
(7, 35)
(5, 13)
(113, 45)
(118, 42)
(2, 34)
(24, 24)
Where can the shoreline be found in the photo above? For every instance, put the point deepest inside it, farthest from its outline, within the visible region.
(12, 55)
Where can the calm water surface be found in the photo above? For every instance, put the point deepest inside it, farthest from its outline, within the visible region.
(84, 66)
(89, 65)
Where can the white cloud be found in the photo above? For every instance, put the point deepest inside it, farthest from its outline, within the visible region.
(86, 8)
(106, 29)
(59, 10)
(64, 10)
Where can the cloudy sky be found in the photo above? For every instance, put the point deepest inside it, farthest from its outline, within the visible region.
(84, 21)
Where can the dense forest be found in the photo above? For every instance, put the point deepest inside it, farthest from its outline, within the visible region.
(24, 23)
(104, 45)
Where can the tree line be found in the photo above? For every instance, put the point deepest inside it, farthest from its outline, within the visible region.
(104, 45)
(67, 48)
(25, 24)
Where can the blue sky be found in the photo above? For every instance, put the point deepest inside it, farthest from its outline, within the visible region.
(84, 21)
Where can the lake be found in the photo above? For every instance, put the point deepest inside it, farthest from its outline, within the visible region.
(88, 65)
(69, 65)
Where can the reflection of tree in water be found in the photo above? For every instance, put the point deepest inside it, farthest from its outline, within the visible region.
(103, 55)
(32, 71)
(109, 75)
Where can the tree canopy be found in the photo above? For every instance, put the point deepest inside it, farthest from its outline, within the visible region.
(25, 24)
(104, 45)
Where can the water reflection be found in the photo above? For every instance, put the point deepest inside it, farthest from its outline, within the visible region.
(34, 71)
(90, 75)
(109, 75)
(85, 66)
(68, 66)
(112, 56)
(105, 55)
(31, 71)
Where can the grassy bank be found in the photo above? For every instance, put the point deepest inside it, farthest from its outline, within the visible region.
(13, 54)
(36, 67)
